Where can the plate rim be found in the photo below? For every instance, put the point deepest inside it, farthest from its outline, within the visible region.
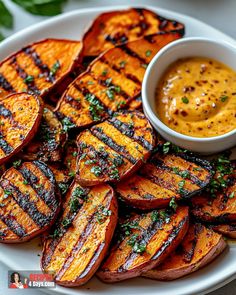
(8, 42)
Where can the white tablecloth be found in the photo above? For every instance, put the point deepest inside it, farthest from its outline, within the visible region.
(219, 13)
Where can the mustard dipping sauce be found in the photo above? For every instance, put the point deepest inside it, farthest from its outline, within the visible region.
(197, 97)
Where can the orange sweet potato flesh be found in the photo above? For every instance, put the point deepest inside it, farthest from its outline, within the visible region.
(150, 239)
(228, 230)
(117, 27)
(160, 180)
(29, 202)
(113, 81)
(220, 209)
(198, 248)
(38, 67)
(114, 148)
(70, 157)
(20, 116)
(80, 239)
(48, 143)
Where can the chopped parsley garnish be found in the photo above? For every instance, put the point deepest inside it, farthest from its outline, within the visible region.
(166, 147)
(223, 98)
(144, 66)
(63, 187)
(185, 100)
(16, 163)
(96, 170)
(123, 63)
(29, 79)
(67, 124)
(148, 53)
(104, 72)
(78, 196)
(71, 173)
(25, 181)
(155, 216)
(127, 227)
(231, 196)
(66, 222)
(173, 204)
(181, 187)
(7, 193)
(102, 213)
(55, 68)
(95, 107)
(137, 245)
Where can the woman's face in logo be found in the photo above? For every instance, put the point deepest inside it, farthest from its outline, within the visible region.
(16, 277)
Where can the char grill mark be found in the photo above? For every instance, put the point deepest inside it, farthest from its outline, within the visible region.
(124, 129)
(13, 225)
(112, 144)
(22, 73)
(5, 146)
(5, 84)
(23, 200)
(132, 53)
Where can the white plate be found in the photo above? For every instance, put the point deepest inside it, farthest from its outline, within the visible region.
(25, 256)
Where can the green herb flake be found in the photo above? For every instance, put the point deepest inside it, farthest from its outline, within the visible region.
(223, 98)
(148, 53)
(56, 66)
(122, 63)
(96, 170)
(16, 164)
(231, 196)
(185, 100)
(29, 79)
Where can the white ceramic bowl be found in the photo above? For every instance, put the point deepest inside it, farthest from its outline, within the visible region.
(187, 47)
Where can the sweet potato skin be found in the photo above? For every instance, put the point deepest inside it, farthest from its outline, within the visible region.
(86, 241)
(159, 181)
(114, 149)
(121, 264)
(31, 69)
(111, 82)
(30, 202)
(116, 27)
(178, 265)
(227, 230)
(20, 111)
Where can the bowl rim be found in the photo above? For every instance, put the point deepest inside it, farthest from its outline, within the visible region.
(148, 109)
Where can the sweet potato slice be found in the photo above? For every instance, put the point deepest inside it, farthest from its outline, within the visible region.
(48, 143)
(199, 247)
(20, 116)
(39, 67)
(114, 149)
(143, 242)
(113, 81)
(29, 202)
(70, 157)
(117, 27)
(228, 230)
(218, 209)
(61, 176)
(77, 245)
(163, 177)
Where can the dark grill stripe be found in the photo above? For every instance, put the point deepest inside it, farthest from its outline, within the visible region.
(21, 72)
(118, 70)
(5, 84)
(5, 146)
(13, 225)
(124, 129)
(93, 260)
(5, 112)
(160, 164)
(73, 102)
(132, 53)
(112, 144)
(85, 92)
(44, 69)
(47, 196)
(26, 205)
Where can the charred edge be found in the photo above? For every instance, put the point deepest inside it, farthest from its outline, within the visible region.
(13, 225)
(112, 144)
(5, 84)
(26, 205)
(129, 76)
(189, 254)
(132, 53)
(85, 92)
(124, 129)
(4, 145)
(93, 260)
(79, 244)
(48, 196)
(4, 112)
(172, 236)
(21, 72)
(44, 69)
(160, 164)
(145, 235)
(73, 102)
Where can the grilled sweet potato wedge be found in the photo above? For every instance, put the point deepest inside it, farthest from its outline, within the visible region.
(48, 143)
(114, 149)
(112, 81)
(20, 116)
(218, 209)
(143, 242)
(29, 202)
(117, 27)
(228, 230)
(80, 240)
(198, 248)
(163, 177)
(39, 67)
